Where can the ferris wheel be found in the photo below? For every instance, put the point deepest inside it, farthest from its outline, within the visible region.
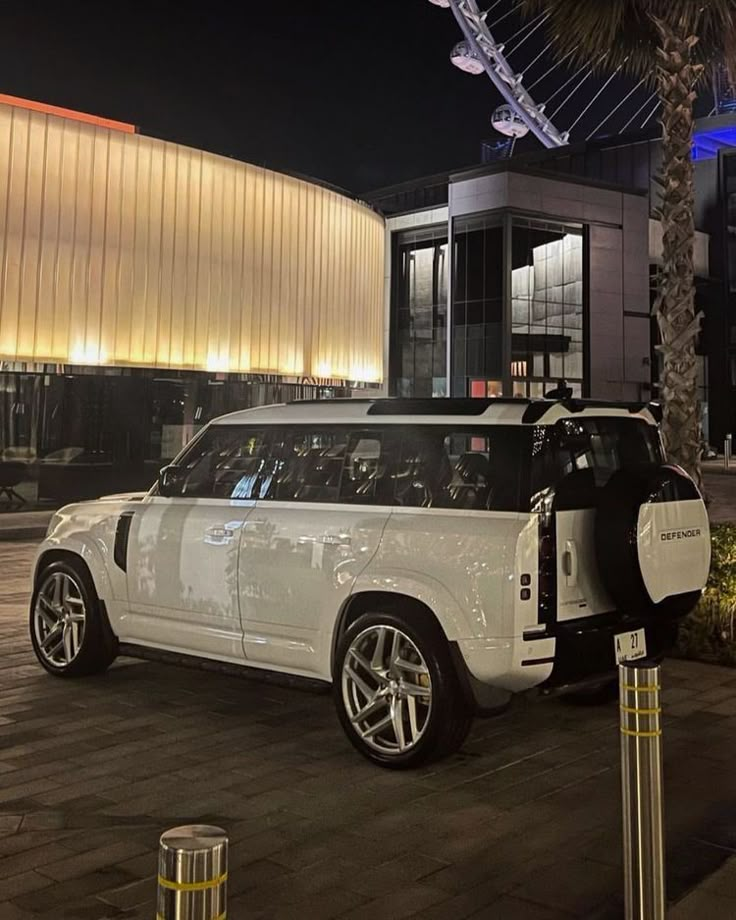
(491, 41)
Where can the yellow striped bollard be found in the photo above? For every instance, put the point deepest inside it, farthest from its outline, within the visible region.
(641, 784)
(192, 874)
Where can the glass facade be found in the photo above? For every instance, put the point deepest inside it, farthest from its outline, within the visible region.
(418, 359)
(519, 306)
(478, 306)
(547, 304)
(82, 434)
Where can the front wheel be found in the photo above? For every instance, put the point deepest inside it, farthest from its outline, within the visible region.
(69, 630)
(396, 690)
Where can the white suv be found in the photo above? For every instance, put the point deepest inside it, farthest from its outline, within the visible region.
(428, 558)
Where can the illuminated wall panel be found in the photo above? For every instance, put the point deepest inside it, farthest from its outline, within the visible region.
(121, 249)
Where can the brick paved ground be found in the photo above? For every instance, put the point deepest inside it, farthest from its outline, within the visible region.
(524, 823)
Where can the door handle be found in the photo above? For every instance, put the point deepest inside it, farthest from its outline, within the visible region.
(218, 534)
(335, 539)
(570, 562)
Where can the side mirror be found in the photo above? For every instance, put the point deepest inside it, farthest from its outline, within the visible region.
(170, 481)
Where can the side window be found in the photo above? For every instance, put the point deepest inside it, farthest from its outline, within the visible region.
(470, 458)
(225, 462)
(424, 469)
(335, 464)
(473, 469)
(367, 476)
(308, 465)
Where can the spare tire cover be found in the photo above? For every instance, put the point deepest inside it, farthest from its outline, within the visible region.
(652, 541)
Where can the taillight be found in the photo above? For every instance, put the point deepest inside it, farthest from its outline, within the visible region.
(547, 584)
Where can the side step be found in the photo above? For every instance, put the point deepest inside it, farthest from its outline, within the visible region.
(246, 671)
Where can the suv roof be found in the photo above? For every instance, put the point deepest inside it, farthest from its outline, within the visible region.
(495, 410)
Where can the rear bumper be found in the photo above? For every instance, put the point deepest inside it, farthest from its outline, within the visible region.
(584, 649)
(567, 654)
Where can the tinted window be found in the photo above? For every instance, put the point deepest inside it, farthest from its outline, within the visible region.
(225, 462)
(368, 472)
(475, 469)
(579, 456)
(334, 464)
(308, 465)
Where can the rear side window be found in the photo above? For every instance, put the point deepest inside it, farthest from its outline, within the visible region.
(463, 468)
(579, 456)
(367, 477)
(346, 465)
(309, 465)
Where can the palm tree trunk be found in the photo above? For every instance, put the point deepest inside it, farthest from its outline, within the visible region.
(679, 326)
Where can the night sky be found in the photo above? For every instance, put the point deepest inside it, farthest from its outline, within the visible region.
(360, 94)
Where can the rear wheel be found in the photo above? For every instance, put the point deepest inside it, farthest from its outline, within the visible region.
(396, 690)
(69, 630)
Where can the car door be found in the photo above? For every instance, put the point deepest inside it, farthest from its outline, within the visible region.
(307, 541)
(580, 456)
(182, 555)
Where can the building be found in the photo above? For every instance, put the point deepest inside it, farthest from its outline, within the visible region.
(146, 287)
(525, 270)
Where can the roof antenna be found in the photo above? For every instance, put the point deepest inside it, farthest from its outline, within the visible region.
(561, 391)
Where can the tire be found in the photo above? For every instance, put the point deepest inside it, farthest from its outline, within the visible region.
(659, 495)
(421, 677)
(90, 648)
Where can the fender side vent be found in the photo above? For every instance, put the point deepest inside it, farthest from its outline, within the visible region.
(122, 533)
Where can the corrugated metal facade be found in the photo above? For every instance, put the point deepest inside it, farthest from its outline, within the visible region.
(119, 249)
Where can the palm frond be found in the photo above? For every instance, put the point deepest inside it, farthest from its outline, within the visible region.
(613, 33)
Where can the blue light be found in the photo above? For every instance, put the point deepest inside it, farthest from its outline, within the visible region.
(707, 144)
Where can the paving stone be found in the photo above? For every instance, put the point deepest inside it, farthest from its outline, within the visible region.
(725, 708)
(83, 863)
(34, 858)
(315, 830)
(510, 908)
(16, 885)
(131, 895)
(64, 893)
(405, 902)
(576, 886)
(9, 824)
(10, 911)
(704, 904)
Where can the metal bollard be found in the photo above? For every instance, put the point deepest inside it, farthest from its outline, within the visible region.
(192, 874)
(641, 785)
(726, 454)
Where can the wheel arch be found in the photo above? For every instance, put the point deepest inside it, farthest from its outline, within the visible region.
(77, 554)
(362, 602)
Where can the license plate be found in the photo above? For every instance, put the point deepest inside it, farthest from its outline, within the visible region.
(630, 646)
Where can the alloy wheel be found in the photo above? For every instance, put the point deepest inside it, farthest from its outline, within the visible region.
(386, 689)
(59, 619)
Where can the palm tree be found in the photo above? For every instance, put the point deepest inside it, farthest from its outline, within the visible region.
(672, 43)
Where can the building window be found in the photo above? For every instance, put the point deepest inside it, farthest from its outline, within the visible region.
(547, 305)
(519, 327)
(419, 314)
(477, 304)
